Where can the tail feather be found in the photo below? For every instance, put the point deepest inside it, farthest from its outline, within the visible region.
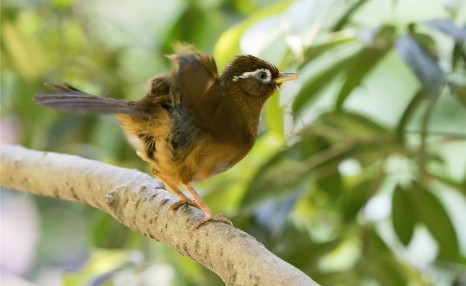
(66, 97)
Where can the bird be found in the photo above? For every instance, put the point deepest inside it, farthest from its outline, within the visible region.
(193, 122)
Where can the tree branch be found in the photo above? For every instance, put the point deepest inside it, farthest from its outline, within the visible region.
(139, 201)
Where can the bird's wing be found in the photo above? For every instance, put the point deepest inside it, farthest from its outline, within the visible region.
(196, 78)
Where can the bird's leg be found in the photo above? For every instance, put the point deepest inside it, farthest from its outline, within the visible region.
(183, 200)
(209, 215)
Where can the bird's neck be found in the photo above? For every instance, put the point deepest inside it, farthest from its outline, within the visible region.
(249, 108)
(236, 121)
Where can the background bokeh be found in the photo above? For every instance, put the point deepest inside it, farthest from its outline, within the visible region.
(358, 176)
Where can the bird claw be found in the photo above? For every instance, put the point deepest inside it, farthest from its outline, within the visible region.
(211, 217)
(186, 201)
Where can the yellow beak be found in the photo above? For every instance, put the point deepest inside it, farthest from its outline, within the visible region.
(286, 76)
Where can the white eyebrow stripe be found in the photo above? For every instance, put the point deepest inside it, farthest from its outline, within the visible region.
(253, 73)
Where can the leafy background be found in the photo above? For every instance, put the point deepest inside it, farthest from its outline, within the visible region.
(358, 176)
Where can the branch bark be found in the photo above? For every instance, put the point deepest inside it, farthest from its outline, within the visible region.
(139, 201)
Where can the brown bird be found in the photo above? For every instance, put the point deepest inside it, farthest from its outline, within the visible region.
(192, 123)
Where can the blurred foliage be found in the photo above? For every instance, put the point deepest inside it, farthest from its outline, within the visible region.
(358, 176)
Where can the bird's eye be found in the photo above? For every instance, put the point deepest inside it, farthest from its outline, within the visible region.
(262, 75)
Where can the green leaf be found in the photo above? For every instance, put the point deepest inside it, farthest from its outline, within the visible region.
(297, 245)
(314, 84)
(362, 64)
(353, 123)
(403, 216)
(459, 91)
(458, 54)
(227, 45)
(447, 27)
(407, 114)
(358, 196)
(274, 116)
(378, 263)
(431, 212)
(314, 52)
(100, 267)
(189, 26)
(24, 51)
(349, 13)
(422, 63)
(274, 180)
(283, 173)
(331, 184)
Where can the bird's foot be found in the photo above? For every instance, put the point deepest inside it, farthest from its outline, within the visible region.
(184, 201)
(211, 217)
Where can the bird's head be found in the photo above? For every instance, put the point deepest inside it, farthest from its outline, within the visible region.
(253, 77)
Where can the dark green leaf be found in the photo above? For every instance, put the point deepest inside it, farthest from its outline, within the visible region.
(362, 64)
(427, 42)
(447, 27)
(358, 196)
(313, 85)
(331, 184)
(378, 261)
(349, 13)
(353, 123)
(296, 246)
(403, 216)
(276, 177)
(189, 27)
(406, 116)
(422, 63)
(459, 91)
(314, 52)
(431, 212)
(458, 54)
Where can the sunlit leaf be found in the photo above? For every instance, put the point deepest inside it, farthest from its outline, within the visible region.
(432, 213)
(314, 52)
(274, 116)
(422, 63)
(349, 13)
(403, 215)
(25, 51)
(227, 45)
(101, 266)
(62, 3)
(313, 85)
(362, 64)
